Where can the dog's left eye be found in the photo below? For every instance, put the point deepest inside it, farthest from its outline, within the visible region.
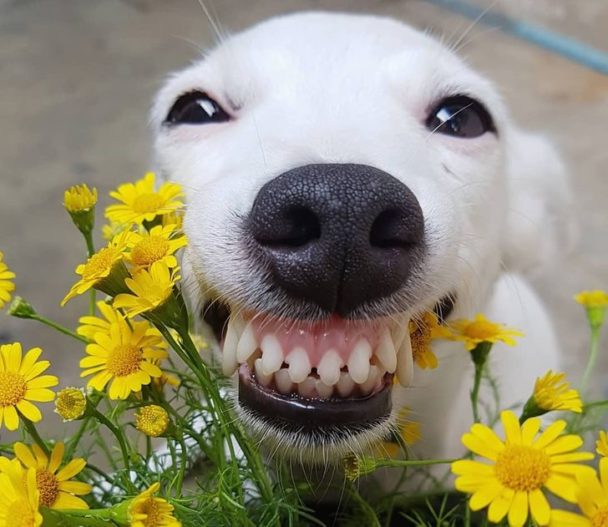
(460, 116)
(196, 108)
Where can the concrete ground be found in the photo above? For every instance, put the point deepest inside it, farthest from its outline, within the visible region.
(76, 83)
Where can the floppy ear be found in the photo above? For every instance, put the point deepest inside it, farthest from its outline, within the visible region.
(540, 228)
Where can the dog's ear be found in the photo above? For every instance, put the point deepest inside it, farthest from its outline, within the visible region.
(540, 227)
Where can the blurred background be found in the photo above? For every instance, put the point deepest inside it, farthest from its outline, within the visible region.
(77, 79)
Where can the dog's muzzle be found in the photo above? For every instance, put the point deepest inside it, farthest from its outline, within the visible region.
(336, 237)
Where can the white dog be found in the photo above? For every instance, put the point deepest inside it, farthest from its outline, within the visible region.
(344, 174)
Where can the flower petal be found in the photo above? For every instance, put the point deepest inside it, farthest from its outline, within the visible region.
(56, 457)
(511, 427)
(549, 435)
(67, 501)
(500, 506)
(568, 519)
(518, 512)
(539, 507)
(71, 469)
(75, 487)
(30, 411)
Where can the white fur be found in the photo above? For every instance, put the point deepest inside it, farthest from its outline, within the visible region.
(331, 88)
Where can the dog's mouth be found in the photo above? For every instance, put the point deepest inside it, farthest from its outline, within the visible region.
(333, 374)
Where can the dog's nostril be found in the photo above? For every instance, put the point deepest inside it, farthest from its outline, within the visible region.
(298, 226)
(391, 230)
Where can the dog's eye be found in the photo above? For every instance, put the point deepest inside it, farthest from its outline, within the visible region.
(460, 116)
(196, 108)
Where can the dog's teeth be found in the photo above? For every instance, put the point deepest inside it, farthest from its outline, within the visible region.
(247, 344)
(405, 363)
(229, 362)
(263, 378)
(323, 390)
(345, 385)
(386, 351)
(272, 354)
(299, 364)
(308, 387)
(372, 380)
(283, 381)
(400, 332)
(329, 367)
(358, 362)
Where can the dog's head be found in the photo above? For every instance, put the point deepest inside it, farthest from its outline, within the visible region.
(343, 174)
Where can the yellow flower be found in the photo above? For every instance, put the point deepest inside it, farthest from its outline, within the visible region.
(158, 245)
(174, 218)
(408, 430)
(146, 510)
(151, 289)
(519, 469)
(601, 444)
(21, 383)
(592, 499)
(595, 303)
(552, 393)
(592, 299)
(140, 201)
(79, 198)
(6, 282)
(152, 420)
(109, 230)
(422, 332)
(474, 332)
(19, 496)
(125, 354)
(99, 267)
(57, 490)
(71, 403)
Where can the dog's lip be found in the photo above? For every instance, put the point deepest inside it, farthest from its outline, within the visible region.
(295, 413)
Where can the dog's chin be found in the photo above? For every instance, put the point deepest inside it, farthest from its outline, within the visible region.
(316, 390)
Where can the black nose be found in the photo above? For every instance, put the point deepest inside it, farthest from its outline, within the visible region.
(338, 235)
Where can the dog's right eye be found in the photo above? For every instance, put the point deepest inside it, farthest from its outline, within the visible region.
(196, 108)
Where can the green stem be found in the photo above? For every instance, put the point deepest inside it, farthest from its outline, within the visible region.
(77, 518)
(192, 358)
(121, 441)
(593, 353)
(595, 404)
(412, 462)
(475, 392)
(31, 430)
(58, 327)
(90, 246)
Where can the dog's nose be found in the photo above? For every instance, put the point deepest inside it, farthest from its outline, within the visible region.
(338, 235)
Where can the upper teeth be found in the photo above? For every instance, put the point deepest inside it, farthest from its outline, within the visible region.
(337, 369)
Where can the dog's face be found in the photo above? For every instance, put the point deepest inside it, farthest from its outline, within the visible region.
(343, 175)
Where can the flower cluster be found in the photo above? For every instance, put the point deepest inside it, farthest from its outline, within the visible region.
(145, 384)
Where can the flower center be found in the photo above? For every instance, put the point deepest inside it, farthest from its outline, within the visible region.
(99, 263)
(149, 250)
(522, 468)
(124, 360)
(20, 514)
(154, 516)
(480, 329)
(149, 202)
(12, 388)
(48, 486)
(600, 518)
(420, 338)
(71, 403)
